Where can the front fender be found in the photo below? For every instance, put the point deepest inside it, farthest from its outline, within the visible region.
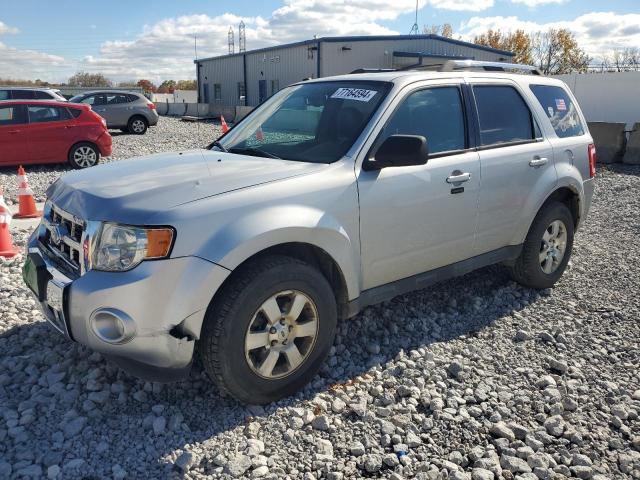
(267, 227)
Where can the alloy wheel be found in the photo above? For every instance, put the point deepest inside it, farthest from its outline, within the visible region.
(553, 246)
(85, 156)
(281, 334)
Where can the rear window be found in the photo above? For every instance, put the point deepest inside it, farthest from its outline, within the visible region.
(13, 115)
(560, 110)
(503, 114)
(41, 114)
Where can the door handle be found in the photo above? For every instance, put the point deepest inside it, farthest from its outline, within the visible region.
(459, 177)
(69, 126)
(538, 161)
(13, 132)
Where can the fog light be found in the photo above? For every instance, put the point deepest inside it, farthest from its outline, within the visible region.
(112, 326)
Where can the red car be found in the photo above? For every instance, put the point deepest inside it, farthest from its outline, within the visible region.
(35, 131)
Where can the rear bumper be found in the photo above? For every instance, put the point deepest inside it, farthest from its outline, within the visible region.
(152, 118)
(105, 144)
(156, 297)
(588, 187)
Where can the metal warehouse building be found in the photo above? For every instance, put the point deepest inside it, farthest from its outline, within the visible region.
(248, 78)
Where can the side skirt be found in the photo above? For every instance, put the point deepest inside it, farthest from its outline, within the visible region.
(422, 280)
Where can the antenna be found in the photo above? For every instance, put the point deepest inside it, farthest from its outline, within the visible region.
(231, 37)
(242, 39)
(415, 28)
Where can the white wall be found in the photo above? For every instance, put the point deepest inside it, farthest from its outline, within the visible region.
(607, 97)
(178, 96)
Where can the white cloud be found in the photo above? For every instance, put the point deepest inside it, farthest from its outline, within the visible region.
(4, 28)
(462, 5)
(28, 64)
(598, 33)
(535, 3)
(166, 48)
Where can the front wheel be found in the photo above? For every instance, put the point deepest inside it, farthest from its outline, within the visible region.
(84, 155)
(269, 330)
(547, 248)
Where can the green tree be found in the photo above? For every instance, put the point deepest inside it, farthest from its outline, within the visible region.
(186, 85)
(147, 86)
(168, 86)
(86, 79)
(556, 51)
(444, 30)
(517, 42)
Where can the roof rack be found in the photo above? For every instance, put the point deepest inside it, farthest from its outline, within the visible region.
(452, 65)
(373, 70)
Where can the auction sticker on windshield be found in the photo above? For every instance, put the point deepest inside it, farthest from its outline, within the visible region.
(359, 94)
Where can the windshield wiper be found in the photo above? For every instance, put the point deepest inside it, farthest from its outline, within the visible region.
(217, 144)
(256, 152)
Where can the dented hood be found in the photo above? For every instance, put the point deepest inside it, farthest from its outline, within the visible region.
(130, 191)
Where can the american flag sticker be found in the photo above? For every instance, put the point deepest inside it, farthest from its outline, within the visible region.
(560, 105)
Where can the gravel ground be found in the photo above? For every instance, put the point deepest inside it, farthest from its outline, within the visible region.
(475, 378)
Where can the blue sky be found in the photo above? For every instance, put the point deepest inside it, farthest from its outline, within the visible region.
(129, 40)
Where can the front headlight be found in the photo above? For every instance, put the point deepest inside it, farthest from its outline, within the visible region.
(123, 247)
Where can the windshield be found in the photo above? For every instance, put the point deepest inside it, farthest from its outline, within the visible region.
(312, 122)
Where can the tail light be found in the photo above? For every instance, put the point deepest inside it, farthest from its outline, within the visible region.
(152, 106)
(592, 160)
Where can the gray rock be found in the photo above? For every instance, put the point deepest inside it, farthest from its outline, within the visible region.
(555, 425)
(372, 463)
(159, 424)
(74, 427)
(558, 365)
(260, 472)
(356, 448)
(185, 461)
(514, 464)
(501, 430)
(482, 474)
(53, 471)
(238, 464)
(321, 423)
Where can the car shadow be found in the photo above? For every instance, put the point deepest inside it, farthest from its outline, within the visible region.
(459, 307)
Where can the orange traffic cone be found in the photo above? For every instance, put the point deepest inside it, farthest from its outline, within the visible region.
(6, 246)
(259, 134)
(27, 205)
(225, 127)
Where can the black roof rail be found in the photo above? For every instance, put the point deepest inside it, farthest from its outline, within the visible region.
(452, 65)
(373, 70)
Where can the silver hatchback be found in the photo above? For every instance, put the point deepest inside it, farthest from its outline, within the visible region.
(128, 111)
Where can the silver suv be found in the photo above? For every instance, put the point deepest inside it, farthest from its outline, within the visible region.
(131, 112)
(335, 194)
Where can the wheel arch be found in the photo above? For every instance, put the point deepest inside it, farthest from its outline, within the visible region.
(308, 253)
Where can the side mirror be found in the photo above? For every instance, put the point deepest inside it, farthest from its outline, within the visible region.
(399, 151)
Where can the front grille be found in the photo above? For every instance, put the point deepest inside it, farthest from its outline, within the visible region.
(63, 237)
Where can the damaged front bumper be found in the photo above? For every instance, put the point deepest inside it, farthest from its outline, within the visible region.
(162, 304)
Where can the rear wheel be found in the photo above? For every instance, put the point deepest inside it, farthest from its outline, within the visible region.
(547, 248)
(270, 330)
(137, 125)
(84, 155)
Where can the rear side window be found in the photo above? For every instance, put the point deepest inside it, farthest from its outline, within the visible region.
(43, 95)
(4, 94)
(132, 98)
(434, 113)
(13, 115)
(560, 109)
(23, 94)
(44, 113)
(503, 114)
(74, 112)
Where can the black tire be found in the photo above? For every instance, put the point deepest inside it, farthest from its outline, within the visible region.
(84, 155)
(222, 342)
(528, 269)
(137, 125)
